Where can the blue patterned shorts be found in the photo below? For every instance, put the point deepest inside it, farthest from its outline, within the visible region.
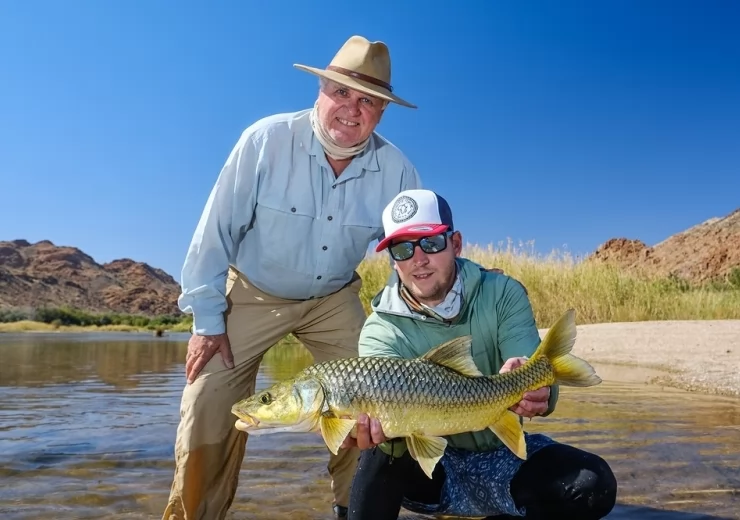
(477, 483)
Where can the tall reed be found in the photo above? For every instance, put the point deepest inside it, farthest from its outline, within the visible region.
(598, 292)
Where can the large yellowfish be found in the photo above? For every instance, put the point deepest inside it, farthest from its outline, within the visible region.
(422, 400)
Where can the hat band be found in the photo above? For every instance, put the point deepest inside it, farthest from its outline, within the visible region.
(360, 76)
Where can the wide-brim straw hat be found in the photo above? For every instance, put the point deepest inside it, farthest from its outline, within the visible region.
(361, 65)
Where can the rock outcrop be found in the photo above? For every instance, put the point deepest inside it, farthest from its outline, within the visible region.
(43, 274)
(706, 252)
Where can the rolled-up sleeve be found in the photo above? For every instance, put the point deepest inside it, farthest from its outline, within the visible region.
(228, 210)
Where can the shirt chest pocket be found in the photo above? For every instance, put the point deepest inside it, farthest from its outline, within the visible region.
(287, 203)
(362, 223)
(284, 218)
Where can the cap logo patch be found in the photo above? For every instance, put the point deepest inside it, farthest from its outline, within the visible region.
(403, 209)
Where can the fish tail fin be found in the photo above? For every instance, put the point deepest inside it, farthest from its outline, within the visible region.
(568, 369)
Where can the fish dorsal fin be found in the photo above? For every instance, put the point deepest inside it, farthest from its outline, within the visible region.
(455, 355)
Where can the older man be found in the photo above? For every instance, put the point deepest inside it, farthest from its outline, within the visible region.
(289, 219)
(435, 296)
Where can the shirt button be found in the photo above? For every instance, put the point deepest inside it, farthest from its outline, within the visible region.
(292, 209)
(324, 248)
(318, 277)
(328, 218)
(334, 186)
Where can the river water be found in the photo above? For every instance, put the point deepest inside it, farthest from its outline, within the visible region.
(87, 425)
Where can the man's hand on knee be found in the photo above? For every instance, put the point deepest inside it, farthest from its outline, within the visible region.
(200, 351)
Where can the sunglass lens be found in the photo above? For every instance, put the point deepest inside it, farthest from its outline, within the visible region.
(402, 251)
(433, 244)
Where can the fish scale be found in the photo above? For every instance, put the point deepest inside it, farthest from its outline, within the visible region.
(387, 388)
(421, 400)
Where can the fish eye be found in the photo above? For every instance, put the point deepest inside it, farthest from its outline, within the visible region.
(265, 398)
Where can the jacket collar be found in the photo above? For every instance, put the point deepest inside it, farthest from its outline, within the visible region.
(388, 301)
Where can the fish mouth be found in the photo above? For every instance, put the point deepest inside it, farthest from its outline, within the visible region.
(246, 425)
(253, 426)
(245, 421)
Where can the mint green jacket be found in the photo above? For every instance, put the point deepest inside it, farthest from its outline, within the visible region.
(496, 311)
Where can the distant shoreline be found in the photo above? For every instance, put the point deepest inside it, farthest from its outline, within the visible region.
(700, 356)
(38, 326)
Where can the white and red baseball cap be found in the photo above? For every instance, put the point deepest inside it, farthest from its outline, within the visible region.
(416, 213)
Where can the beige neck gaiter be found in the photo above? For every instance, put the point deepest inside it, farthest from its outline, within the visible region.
(331, 148)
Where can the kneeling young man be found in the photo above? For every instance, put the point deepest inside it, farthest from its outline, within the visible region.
(432, 297)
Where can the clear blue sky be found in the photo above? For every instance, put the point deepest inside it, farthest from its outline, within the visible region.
(566, 123)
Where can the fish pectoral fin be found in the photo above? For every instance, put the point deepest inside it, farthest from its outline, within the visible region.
(509, 430)
(455, 355)
(335, 430)
(426, 451)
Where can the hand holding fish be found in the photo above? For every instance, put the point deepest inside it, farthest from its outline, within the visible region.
(200, 351)
(369, 434)
(532, 403)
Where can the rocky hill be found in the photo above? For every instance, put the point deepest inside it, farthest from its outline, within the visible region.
(706, 252)
(42, 274)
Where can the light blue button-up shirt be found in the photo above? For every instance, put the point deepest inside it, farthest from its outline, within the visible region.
(278, 214)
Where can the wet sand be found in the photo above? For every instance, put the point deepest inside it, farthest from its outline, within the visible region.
(701, 356)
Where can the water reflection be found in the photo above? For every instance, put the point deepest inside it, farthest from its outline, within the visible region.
(87, 425)
(114, 359)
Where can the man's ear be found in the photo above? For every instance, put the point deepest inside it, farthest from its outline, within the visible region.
(457, 243)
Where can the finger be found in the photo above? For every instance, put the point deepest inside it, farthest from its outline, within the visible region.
(511, 364)
(226, 354)
(376, 432)
(198, 365)
(543, 394)
(189, 366)
(531, 408)
(525, 405)
(189, 356)
(363, 432)
(508, 366)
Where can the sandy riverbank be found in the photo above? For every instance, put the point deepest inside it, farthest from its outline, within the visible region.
(702, 356)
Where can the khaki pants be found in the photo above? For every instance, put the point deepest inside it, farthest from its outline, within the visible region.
(209, 449)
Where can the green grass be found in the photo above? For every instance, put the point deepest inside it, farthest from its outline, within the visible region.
(555, 282)
(599, 293)
(46, 319)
